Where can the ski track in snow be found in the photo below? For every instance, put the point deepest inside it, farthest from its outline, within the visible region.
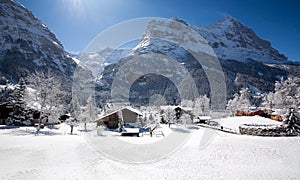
(227, 156)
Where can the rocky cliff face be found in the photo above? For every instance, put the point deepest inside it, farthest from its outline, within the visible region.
(246, 60)
(230, 39)
(26, 45)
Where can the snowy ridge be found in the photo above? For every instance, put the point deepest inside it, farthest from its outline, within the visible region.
(97, 61)
(230, 39)
(28, 44)
(19, 23)
(170, 37)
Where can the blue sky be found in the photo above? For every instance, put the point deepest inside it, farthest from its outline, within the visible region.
(77, 22)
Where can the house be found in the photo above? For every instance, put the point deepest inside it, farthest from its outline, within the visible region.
(179, 110)
(111, 120)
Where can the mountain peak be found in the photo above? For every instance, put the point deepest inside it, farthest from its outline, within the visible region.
(229, 20)
(230, 39)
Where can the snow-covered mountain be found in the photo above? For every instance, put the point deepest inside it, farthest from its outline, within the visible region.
(26, 45)
(230, 39)
(97, 61)
(246, 59)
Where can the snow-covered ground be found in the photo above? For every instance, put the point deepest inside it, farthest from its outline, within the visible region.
(234, 122)
(60, 155)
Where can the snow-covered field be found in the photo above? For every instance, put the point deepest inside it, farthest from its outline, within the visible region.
(55, 154)
(234, 122)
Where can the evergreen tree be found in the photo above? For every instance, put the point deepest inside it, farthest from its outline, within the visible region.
(5, 93)
(18, 116)
(244, 99)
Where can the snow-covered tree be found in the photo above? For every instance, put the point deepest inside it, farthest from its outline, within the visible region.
(268, 101)
(152, 123)
(240, 101)
(187, 103)
(46, 94)
(244, 99)
(170, 116)
(286, 94)
(90, 113)
(232, 104)
(17, 100)
(139, 122)
(75, 109)
(201, 105)
(5, 92)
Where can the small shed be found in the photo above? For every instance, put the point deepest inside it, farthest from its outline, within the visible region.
(111, 120)
(202, 119)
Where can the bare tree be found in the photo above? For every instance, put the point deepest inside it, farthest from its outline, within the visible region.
(46, 95)
(170, 116)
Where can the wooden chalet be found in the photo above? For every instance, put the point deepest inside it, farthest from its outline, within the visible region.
(111, 120)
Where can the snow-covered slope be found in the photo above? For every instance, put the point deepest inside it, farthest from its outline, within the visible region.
(230, 39)
(97, 61)
(26, 44)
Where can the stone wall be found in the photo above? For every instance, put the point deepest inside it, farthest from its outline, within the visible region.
(266, 130)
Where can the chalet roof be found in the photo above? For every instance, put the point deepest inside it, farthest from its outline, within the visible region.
(174, 107)
(128, 108)
(204, 117)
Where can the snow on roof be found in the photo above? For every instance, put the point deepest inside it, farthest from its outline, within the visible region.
(133, 110)
(132, 130)
(173, 107)
(204, 117)
(128, 108)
